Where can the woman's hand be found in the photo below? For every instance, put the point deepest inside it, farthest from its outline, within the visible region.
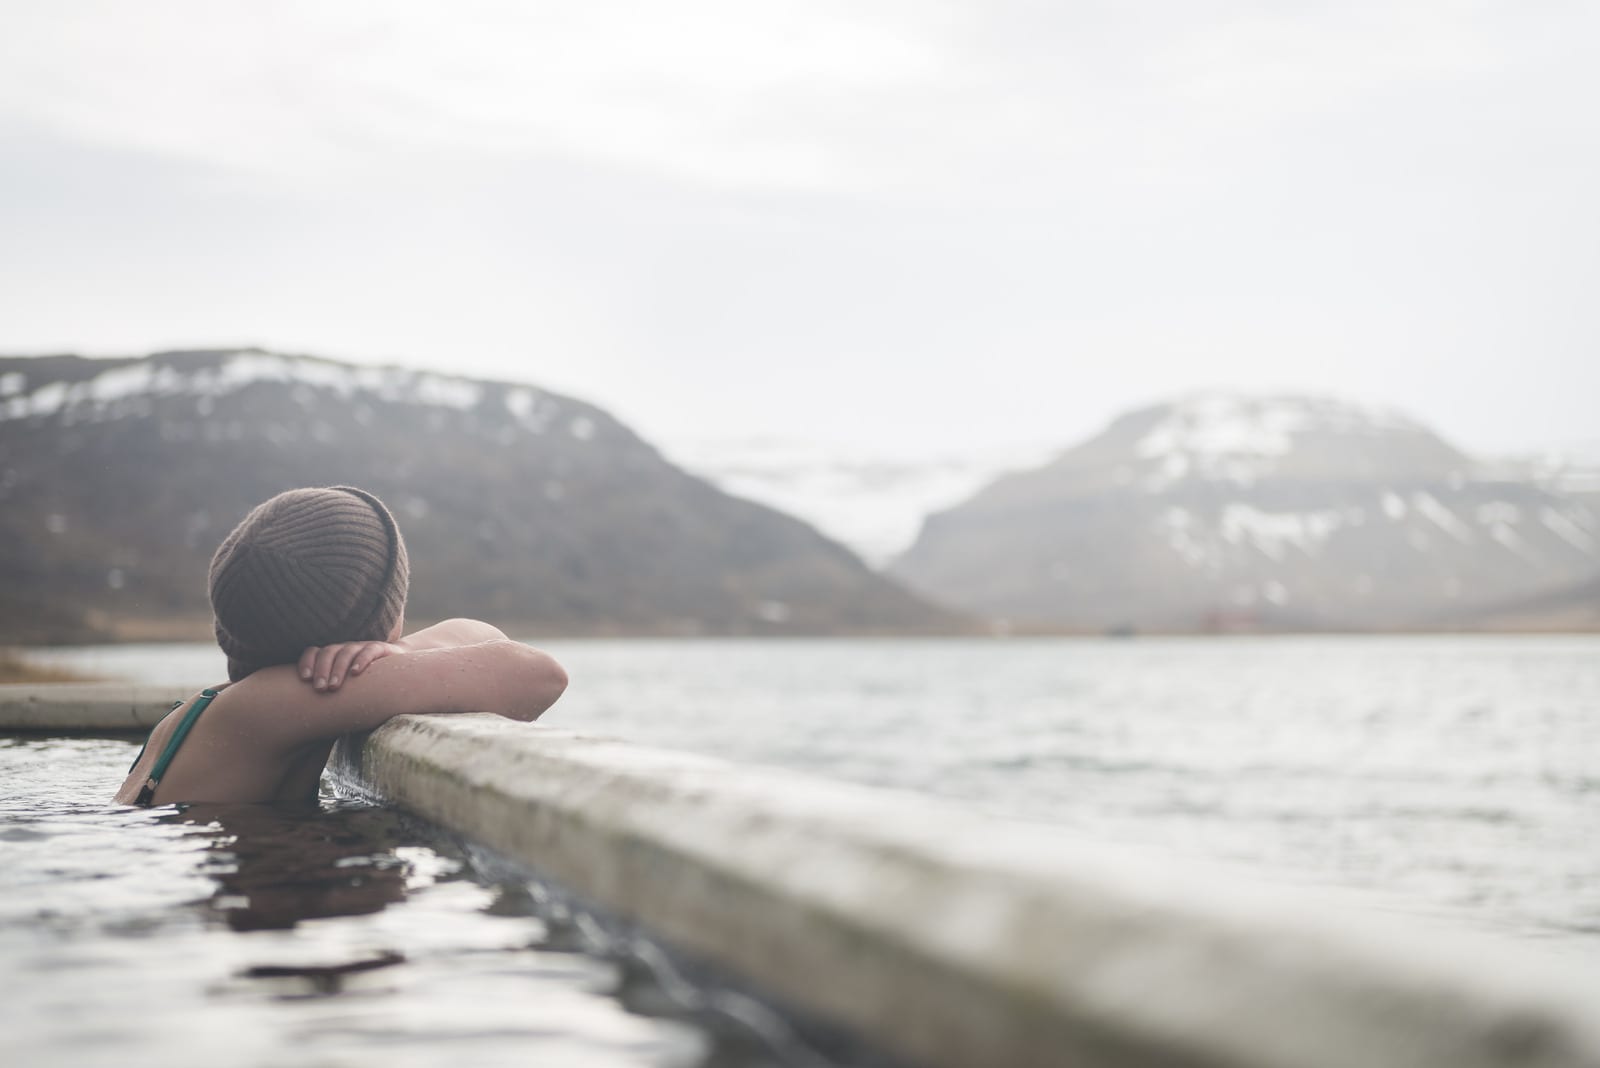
(326, 667)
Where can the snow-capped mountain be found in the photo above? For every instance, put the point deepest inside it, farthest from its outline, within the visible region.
(1272, 511)
(118, 478)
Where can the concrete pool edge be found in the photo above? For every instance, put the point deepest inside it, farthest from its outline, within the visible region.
(952, 939)
(84, 706)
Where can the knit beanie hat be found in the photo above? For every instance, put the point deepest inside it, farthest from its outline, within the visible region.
(308, 567)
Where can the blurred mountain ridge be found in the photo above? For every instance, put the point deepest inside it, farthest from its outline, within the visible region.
(1221, 511)
(119, 477)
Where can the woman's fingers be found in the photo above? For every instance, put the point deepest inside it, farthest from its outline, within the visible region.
(323, 672)
(341, 662)
(369, 652)
(326, 667)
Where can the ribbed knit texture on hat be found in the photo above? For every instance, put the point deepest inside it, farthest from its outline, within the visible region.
(308, 567)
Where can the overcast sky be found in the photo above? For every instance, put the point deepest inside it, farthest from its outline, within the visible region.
(932, 225)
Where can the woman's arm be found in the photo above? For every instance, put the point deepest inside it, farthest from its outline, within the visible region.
(500, 676)
(326, 667)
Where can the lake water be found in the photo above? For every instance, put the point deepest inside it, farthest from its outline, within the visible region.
(1450, 774)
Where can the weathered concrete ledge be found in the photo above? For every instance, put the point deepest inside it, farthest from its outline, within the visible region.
(88, 706)
(955, 940)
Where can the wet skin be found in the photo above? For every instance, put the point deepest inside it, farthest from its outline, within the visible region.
(268, 736)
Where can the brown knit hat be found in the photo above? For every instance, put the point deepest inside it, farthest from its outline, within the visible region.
(308, 567)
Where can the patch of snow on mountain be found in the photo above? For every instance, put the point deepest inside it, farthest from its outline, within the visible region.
(246, 368)
(1243, 526)
(443, 392)
(1441, 516)
(1505, 535)
(11, 382)
(519, 402)
(531, 409)
(134, 380)
(1274, 532)
(46, 400)
(1174, 465)
(1573, 531)
(105, 392)
(1182, 532)
(1213, 427)
(1237, 439)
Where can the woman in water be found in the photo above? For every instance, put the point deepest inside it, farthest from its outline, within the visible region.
(309, 595)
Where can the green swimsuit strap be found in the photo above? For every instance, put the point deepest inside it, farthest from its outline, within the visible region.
(147, 792)
(175, 706)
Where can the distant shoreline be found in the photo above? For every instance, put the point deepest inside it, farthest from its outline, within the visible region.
(15, 667)
(161, 632)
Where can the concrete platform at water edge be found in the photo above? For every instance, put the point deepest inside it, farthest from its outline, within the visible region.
(946, 938)
(89, 706)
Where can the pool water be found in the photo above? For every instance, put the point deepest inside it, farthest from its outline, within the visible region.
(333, 934)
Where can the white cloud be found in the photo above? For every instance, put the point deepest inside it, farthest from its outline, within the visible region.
(986, 221)
(302, 89)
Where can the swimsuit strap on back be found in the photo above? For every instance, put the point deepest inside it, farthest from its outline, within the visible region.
(175, 706)
(147, 792)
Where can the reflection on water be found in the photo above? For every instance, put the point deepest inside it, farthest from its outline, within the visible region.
(330, 934)
(276, 865)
